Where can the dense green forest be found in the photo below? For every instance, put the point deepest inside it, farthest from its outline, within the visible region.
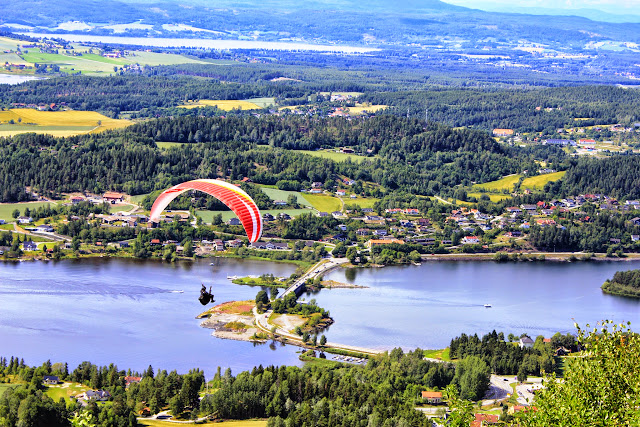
(402, 155)
(505, 358)
(625, 283)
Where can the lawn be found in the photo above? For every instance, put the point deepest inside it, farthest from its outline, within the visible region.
(333, 155)
(442, 354)
(503, 184)
(324, 202)
(6, 209)
(57, 123)
(226, 105)
(538, 182)
(65, 390)
(275, 194)
(4, 387)
(138, 199)
(207, 216)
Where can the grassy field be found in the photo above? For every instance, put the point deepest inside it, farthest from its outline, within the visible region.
(335, 156)
(5, 387)
(6, 209)
(226, 105)
(538, 182)
(493, 197)
(65, 390)
(138, 199)
(95, 64)
(228, 423)
(207, 216)
(324, 202)
(362, 202)
(275, 194)
(167, 145)
(442, 354)
(262, 102)
(57, 123)
(505, 183)
(366, 108)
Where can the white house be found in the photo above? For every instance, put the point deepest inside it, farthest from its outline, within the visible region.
(525, 342)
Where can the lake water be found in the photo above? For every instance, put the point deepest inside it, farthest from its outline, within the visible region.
(425, 306)
(204, 43)
(14, 79)
(122, 311)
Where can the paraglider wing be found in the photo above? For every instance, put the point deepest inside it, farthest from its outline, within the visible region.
(234, 197)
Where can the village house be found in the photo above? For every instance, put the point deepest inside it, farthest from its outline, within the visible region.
(363, 232)
(482, 420)
(316, 185)
(233, 221)
(50, 380)
(128, 380)
(433, 397)
(341, 193)
(219, 245)
(530, 209)
(341, 227)
(113, 197)
(99, 395)
(470, 240)
(279, 203)
(380, 232)
(377, 242)
(77, 199)
(503, 132)
(44, 228)
(525, 342)
(29, 246)
(323, 214)
(24, 219)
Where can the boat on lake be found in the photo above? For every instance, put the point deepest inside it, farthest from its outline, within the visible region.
(487, 306)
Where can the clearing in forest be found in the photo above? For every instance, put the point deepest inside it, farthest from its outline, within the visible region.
(226, 105)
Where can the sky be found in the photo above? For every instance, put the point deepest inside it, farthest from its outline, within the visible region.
(618, 7)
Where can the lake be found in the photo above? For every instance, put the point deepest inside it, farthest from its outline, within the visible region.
(14, 79)
(204, 43)
(122, 311)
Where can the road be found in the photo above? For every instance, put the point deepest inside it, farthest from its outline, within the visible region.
(499, 388)
(318, 269)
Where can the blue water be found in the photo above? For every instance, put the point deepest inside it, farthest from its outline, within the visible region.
(121, 311)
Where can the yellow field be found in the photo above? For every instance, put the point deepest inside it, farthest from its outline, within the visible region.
(359, 109)
(493, 197)
(227, 105)
(532, 183)
(57, 123)
(505, 183)
(537, 182)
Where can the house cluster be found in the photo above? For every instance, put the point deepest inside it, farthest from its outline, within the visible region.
(121, 219)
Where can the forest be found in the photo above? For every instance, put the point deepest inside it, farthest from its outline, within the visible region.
(505, 358)
(624, 283)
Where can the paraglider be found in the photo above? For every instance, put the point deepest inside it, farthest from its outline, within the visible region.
(205, 297)
(231, 195)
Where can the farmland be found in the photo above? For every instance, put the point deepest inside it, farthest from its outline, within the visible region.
(275, 194)
(226, 105)
(538, 182)
(504, 184)
(81, 59)
(57, 123)
(6, 209)
(366, 108)
(334, 155)
(323, 202)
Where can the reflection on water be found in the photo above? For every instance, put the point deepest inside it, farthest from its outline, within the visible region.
(124, 311)
(425, 306)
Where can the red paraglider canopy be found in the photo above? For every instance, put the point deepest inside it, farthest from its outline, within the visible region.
(234, 197)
